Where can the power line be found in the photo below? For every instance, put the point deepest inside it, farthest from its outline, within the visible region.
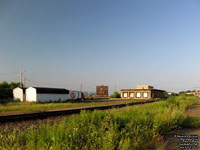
(42, 82)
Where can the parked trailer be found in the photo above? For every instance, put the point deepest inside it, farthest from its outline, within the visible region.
(76, 95)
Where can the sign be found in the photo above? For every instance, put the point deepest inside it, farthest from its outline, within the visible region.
(72, 95)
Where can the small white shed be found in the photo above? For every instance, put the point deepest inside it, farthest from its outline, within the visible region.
(43, 94)
(19, 93)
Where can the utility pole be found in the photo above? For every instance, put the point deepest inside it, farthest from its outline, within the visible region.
(115, 88)
(81, 87)
(21, 78)
(24, 81)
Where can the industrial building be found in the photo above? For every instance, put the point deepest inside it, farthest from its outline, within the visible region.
(41, 94)
(142, 92)
(102, 91)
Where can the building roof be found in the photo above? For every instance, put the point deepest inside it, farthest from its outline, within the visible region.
(141, 90)
(144, 87)
(51, 90)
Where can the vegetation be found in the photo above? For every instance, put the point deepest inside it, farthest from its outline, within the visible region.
(138, 127)
(191, 122)
(115, 95)
(25, 107)
(6, 89)
(188, 92)
(89, 97)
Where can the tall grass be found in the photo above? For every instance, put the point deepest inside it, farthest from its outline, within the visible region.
(25, 107)
(191, 122)
(136, 127)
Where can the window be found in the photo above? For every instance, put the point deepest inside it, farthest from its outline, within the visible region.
(145, 95)
(138, 94)
(131, 95)
(125, 94)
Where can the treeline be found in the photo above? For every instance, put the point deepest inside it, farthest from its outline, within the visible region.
(6, 89)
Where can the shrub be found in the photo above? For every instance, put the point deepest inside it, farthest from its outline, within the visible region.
(115, 95)
(191, 122)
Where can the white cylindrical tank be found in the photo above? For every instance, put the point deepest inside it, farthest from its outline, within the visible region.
(18, 93)
(31, 94)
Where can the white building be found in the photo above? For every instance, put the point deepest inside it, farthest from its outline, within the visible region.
(41, 94)
(19, 93)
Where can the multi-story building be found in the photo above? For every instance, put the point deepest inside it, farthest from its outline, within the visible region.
(102, 91)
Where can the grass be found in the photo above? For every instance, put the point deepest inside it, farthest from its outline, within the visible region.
(191, 122)
(26, 107)
(131, 128)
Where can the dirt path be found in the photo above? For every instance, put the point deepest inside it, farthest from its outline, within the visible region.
(175, 139)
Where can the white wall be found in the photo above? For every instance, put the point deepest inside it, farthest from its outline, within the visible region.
(18, 94)
(31, 94)
(53, 97)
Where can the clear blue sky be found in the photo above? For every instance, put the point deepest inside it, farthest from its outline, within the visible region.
(68, 42)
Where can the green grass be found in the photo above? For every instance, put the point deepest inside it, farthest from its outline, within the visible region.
(191, 122)
(130, 128)
(26, 107)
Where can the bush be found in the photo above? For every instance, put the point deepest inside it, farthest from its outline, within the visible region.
(89, 97)
(116, 95)
(191, 122)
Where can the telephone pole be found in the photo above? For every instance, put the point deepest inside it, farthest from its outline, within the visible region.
(21, 78)
(24, 81)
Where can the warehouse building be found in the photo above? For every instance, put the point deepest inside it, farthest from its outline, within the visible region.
(142, 92)
(19, 93)
(41, 94)
(101, 91)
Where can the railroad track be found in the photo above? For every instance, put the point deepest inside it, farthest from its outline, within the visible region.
(70, 111)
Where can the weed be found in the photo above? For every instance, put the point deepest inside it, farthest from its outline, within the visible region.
(133, 127)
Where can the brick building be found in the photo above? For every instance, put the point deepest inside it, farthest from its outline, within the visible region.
(102, 91)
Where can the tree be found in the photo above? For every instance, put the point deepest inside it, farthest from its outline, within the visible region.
(14, 85)
(4, 84)
(6, 89)
(116, 95)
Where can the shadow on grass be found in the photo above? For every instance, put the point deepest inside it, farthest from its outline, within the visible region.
(191, 122)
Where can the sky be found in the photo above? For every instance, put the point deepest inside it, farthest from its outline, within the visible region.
(119, 43)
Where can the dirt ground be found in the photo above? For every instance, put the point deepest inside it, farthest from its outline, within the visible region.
(185, 138)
